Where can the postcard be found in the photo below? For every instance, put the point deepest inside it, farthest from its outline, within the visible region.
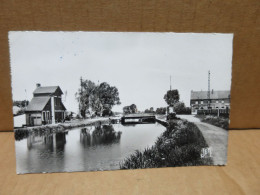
(95, 101)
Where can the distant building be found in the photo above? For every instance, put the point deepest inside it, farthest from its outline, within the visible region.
(218, 100)
(46, 106)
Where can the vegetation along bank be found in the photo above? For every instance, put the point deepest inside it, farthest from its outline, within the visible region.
(179, 145)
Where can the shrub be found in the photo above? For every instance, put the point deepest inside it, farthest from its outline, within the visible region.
(179, 145)
(221, 122)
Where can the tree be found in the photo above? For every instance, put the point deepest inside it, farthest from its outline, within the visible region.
(97, 97)
(85, 95)
(132, 109)
(147, 111)
(172, 97)
(21, 104)
(108, 95)
(126, 110)
(105, 98)
(161, 110)
(180, 108)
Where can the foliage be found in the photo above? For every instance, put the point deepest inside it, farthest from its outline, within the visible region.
(151, 110)
(180, 108)
(21, 104)
(161, 110)
(132, 109)
(98, 98)
(221, 122)
(107, 112)
(172, 97)
(179, 145)
(85, 95)
(108, 95)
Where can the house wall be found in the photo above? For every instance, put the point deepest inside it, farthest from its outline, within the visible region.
(54, 111)
(214, 104)
(33, 118)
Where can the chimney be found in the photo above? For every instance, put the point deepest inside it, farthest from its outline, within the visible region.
(38, 85)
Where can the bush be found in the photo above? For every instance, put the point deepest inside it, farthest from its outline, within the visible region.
(221, 122)
(180, 108)
(179, 145)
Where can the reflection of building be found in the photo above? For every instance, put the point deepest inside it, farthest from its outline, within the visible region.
(50, 141)
(218, 100)
(45, 107)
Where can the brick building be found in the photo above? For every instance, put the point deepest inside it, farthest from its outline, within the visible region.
(218, 100)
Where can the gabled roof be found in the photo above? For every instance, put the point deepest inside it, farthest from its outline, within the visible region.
(38, 103)
(47, 90)
(213, 95)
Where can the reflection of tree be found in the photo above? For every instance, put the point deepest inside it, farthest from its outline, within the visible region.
(101, 135)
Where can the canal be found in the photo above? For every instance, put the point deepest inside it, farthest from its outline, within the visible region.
(84, 149)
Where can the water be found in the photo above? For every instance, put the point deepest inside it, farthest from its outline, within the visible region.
(84, 149)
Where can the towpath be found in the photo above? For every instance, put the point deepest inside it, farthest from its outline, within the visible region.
(216, 138)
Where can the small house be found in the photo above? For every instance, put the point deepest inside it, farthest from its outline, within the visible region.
(46, 106)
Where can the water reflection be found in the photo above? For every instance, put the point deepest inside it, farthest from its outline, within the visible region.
(51, 141)
(82, 149)
(101, 135)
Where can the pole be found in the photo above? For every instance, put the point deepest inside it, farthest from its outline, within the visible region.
(208, 89)
(170, 83)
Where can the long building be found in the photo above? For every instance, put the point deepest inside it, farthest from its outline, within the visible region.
(218, 100)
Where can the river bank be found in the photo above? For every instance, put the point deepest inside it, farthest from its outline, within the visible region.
(21, 133)
(179, 145)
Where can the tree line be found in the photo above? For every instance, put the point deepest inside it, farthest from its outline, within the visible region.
(172, 98)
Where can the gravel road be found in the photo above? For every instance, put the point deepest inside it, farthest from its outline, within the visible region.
(216, 138)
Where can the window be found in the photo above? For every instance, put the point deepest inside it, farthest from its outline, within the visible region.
(216, 101)
(43, 115)
(48, 115)
(222, 101)
(196, 102)
(201, 102)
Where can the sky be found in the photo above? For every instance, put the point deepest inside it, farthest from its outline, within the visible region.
(138, 64)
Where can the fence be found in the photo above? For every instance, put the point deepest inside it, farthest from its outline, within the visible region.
(217, 112)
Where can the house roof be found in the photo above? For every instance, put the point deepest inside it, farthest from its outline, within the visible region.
(213, 95)
(38, 103)
(48, 89)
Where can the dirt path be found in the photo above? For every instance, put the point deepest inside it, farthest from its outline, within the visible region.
(217, 139)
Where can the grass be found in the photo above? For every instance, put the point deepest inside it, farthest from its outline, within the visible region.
(179, 145)
(221, 122)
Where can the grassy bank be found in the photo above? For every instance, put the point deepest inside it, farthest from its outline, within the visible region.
(221, 122)
(22, 133)
(179, 145)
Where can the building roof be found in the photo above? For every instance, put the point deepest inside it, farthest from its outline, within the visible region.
(38, 103)
(213, 95)
(46, 90)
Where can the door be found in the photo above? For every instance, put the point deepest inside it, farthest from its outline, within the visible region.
(37, 121)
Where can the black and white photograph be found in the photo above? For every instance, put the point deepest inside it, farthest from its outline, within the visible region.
(99, 101)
